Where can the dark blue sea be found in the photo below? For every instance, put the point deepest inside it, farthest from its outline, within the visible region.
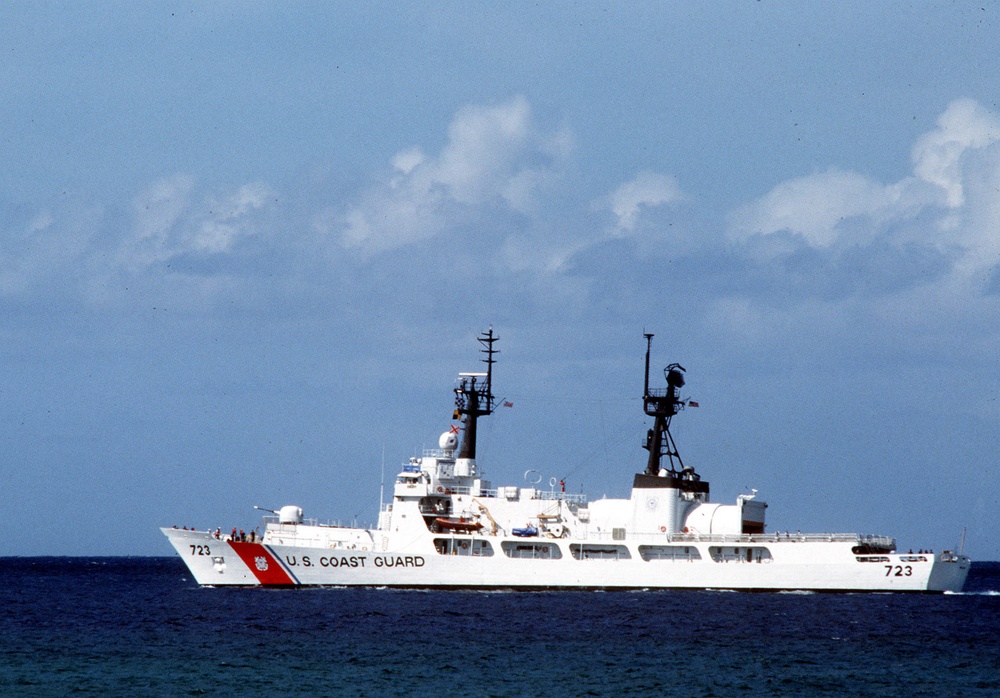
(141, 627)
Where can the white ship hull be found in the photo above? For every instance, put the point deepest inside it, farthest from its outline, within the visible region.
(795, 564)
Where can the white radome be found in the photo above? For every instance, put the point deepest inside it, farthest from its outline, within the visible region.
(448, 441)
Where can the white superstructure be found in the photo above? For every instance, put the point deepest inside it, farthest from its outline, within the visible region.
(447, 527)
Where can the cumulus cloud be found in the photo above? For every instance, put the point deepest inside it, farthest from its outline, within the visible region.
(486, 148)
(646, 190)
(938, 155)
(497, 171)
(950, 202)
(495, 156)
(86, 250)
(157, 212)
(826, 235)
(817, 207)
(171, 220)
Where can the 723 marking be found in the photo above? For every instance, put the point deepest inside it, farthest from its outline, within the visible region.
(901, 571)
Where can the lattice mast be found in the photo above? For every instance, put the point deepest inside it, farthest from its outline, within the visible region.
(662, 404)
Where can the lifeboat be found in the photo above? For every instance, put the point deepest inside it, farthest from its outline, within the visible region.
(459, 525)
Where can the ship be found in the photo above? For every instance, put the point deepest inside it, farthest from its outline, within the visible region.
(447, 527)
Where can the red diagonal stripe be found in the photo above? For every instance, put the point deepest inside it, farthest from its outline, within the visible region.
(255, 556)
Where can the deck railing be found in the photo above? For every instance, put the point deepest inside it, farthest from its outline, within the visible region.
(858, 538)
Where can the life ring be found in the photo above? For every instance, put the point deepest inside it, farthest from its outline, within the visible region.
(545, 549)
(663, 529)
(440, 488)
(463, 545)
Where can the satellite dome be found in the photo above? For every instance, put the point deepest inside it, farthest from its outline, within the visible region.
(448, 441)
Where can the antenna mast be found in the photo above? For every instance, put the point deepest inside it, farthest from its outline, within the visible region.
(662, 404)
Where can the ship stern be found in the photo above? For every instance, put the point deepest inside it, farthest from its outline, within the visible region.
(949, 572)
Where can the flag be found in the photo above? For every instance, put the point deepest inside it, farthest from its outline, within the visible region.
(692, 403)
(508, 404)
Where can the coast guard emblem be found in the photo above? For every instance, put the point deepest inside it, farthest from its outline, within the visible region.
(261, 563)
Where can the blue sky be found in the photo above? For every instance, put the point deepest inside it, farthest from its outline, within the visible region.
(246, 247)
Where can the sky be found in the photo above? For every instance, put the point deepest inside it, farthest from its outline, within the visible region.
(246, 248)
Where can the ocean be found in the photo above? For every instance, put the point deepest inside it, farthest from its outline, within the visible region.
(141, 627)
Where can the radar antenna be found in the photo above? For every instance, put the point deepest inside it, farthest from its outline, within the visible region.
(474, 395)
(662, 404)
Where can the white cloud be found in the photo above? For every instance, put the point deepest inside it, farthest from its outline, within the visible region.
(938, 155)
(157, 211)
(498, 172)
(553, 242)
(497, 167)
(646, 190)
(904, 266)
(815, 207)
(495, 157)
(382, 222)
(951, 202)
(170, 221)
(229, 218)
(406, 160)
(485, 148)
(981, 230)
(80, 249)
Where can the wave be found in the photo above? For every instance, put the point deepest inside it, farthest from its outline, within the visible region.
(986, 592)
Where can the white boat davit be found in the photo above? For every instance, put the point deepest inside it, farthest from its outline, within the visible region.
(447, 527)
